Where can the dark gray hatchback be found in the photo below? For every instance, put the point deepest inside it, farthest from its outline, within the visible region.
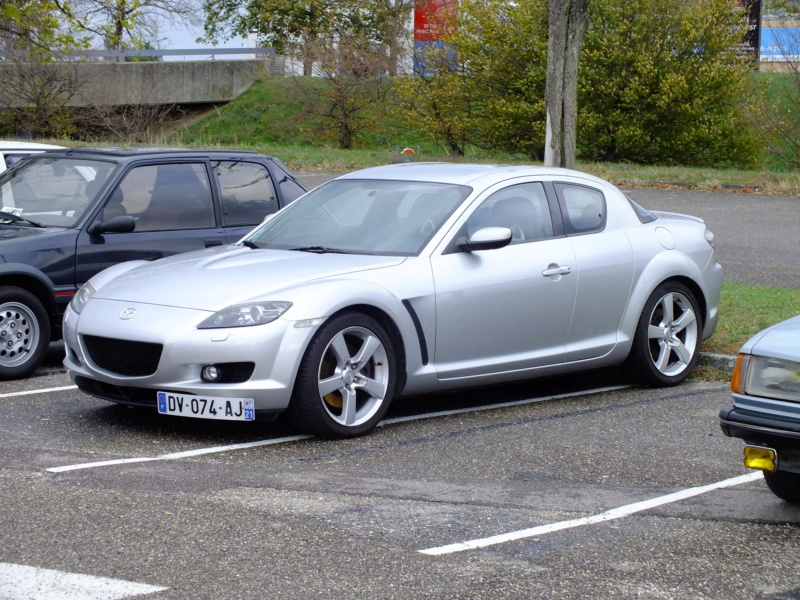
(68, 214)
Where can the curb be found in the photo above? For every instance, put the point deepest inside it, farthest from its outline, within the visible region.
(720, 361)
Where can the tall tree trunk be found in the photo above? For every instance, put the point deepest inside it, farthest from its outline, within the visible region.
(567, 28)
(309, 52)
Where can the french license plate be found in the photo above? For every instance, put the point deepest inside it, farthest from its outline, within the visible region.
(229, 409)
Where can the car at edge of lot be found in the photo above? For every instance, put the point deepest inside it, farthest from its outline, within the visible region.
(765, 412)
(12, 152)
(402, 279)
(68, 214)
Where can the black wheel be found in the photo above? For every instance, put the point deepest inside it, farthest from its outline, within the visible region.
(666, 344)
(784, 485)
(346, 378)
(24, 332)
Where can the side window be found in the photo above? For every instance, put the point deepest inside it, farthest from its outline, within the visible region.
(248, 194)
(290, 189)
(583, 208)
(522, 208)
(165, 197)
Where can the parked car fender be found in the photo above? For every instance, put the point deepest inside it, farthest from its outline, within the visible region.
(29, 278)
(397, 316)
(663, 267)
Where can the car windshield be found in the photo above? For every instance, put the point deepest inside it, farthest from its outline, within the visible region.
(50, 191)
(394, 218)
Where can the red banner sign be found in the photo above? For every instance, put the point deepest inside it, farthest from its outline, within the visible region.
(433, 19)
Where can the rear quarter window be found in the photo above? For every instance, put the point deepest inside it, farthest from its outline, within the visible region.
(583, 208)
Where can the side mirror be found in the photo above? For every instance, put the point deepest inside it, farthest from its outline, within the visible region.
(122, 224)
(488, 238)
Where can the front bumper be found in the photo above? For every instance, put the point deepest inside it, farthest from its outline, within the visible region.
(276, 349)
(760, 428)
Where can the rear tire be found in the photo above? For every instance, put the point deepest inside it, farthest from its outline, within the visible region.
(784, 484)
(666, 344)
(24, 332)
(346, 379)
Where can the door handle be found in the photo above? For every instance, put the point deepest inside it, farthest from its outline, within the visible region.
(556, 270)
(210, 243)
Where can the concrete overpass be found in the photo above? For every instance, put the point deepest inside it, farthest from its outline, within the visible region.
(107, 80)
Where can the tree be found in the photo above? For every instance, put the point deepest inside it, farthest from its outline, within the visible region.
(567, 28)
(663, 81)
(128, 23)
(386, 20)
(439, 101)
(291, 27)
(349, 94)
(37, 81)
(487, 89)
(777, 113)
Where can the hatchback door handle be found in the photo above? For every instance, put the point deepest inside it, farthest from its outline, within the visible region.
(556, 270)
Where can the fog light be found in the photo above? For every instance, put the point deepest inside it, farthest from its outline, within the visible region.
(211, 374)
(758, 457)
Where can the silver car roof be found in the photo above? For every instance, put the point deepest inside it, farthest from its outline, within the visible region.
(463, 174)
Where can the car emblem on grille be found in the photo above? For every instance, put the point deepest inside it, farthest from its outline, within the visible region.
(127, 314)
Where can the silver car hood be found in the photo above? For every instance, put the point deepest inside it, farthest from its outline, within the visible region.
(217, 278)
(779, 341)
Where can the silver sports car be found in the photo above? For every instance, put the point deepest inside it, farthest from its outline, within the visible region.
(396, 280)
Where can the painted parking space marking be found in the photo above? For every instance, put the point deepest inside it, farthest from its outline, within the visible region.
(178, 455)
(294, 438)
(20, 582)
(42, 391)
(609, 515)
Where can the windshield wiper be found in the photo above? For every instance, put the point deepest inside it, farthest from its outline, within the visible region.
(4, 216)
(250, 244)
(320, 250)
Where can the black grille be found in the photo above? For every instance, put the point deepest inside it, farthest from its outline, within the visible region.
(123, 357)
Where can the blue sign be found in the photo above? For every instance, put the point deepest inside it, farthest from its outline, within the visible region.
(780, 44)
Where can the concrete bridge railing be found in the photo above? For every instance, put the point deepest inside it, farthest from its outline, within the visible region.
(110, 83)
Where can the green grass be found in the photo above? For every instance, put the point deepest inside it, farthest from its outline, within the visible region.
(745, 310)
(268, 118)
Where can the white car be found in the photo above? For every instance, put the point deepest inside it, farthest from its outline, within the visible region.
(11, 152)
(401, 279)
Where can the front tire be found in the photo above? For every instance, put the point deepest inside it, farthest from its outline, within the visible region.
(784, 484)
(346, 379)
(24, 332)
(666, 344)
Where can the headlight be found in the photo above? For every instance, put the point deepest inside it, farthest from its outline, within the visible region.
(771, 378)
(245, 315)
(83, 296)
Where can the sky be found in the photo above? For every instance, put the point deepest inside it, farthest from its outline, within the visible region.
(184, 36)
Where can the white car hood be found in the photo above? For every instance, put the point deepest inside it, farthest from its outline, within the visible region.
(779, 341)
(216, 278)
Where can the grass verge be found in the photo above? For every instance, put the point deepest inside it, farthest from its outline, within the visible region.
(745, 310)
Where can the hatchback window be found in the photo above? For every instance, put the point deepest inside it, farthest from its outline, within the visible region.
(248, 194)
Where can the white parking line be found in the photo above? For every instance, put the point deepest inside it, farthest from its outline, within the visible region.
(177, 455)
(294, 438)
(42, 391)
(609, 515)
(20, 582)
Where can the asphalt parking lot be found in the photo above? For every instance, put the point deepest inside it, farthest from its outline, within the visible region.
(572, 487)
